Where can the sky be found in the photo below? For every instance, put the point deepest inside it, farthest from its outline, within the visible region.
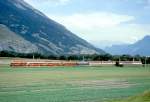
(100, 22)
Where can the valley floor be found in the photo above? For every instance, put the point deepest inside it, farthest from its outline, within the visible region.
(72, 84)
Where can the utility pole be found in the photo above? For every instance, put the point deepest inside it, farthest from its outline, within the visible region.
(83, 58)
(145, 61)
(119, 59)
(133, 59)
(33, 55)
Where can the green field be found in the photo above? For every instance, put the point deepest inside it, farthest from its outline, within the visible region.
(72, 84)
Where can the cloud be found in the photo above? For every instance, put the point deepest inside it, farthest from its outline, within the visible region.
(128, 33)
(92, 20)
(103, 26)
(120, 23)
(47, 2)
(58, 2)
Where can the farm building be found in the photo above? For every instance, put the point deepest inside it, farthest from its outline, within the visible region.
(111, 63)
(41, 63)
(51, 63)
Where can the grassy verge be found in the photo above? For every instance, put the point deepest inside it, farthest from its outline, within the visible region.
(145, 97)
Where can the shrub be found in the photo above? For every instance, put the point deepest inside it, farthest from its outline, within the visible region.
(118, 64)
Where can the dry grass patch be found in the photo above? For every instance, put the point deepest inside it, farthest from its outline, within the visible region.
(104, 84)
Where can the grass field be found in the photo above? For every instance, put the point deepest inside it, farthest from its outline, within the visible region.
(72, 84)
(144, 97)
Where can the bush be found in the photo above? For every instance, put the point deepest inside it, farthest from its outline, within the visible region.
(118, 64)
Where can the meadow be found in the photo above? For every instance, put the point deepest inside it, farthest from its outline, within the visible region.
(72, 84)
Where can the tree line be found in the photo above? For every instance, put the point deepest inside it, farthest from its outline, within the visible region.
(94, 57)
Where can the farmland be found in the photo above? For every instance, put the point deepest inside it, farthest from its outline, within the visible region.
(72, 84)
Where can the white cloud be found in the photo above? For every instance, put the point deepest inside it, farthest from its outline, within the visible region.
(128, 33)
(47, 2)
(97, 27)
(92, 20)
(58, 2)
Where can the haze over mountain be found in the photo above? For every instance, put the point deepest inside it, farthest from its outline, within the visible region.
(141, 47)
(25, 29)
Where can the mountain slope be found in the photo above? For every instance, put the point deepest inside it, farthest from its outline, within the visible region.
(46, 35)
(141, 47)
(13, 42)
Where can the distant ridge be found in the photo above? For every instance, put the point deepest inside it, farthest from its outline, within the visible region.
(141, 47)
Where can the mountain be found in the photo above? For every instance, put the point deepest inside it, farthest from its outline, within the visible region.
(13, 42)
(141, 47)
(24, 29)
